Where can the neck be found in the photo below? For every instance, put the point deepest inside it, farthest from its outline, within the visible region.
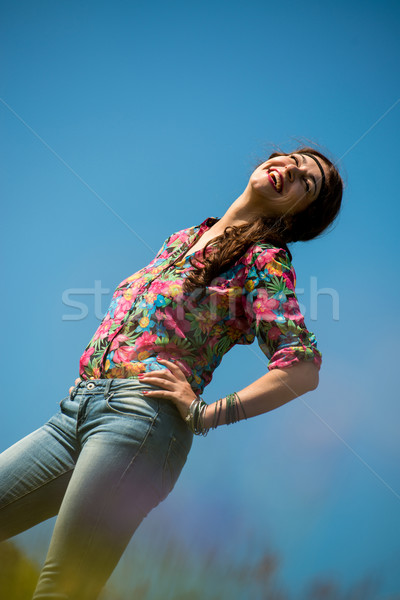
(242, 211)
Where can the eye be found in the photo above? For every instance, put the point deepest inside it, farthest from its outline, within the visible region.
(296, 160)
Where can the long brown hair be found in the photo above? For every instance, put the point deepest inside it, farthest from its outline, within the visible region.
(308, 224)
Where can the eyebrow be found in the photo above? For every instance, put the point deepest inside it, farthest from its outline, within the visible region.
(303, 158)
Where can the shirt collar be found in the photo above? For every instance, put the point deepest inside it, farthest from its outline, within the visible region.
(207, 224)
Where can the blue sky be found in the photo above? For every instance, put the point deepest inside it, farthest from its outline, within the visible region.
(122, 122)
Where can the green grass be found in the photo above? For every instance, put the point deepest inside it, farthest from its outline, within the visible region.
(172, 571)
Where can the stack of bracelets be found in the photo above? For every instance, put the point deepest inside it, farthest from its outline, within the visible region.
(195, 416)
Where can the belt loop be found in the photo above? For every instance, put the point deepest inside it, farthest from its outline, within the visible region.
(107, 388)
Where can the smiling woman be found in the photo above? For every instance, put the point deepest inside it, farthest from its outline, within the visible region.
(117, 445)
(297, 178)
(289, 198)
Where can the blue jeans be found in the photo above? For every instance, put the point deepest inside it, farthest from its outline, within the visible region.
(102, 463)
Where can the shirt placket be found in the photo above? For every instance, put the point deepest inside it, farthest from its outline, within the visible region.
(174, 258)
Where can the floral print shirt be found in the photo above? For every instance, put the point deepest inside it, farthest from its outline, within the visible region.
(151, 316)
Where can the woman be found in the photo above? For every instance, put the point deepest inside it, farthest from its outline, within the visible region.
(121, 438)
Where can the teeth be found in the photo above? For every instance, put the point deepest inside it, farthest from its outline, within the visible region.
(277, 180)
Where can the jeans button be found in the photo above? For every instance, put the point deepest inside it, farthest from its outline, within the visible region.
(90, 386)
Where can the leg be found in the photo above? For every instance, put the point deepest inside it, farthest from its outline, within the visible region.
(132, 454)
(34, 474)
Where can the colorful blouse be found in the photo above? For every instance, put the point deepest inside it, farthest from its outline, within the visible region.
(151, 316)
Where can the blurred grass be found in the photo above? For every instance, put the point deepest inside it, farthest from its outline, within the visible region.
(171, 571)
(18, 573)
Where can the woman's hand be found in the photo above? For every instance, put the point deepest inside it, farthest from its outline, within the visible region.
(174, 383)
(77, 380)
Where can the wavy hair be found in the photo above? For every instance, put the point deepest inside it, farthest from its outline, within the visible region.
(279, 231)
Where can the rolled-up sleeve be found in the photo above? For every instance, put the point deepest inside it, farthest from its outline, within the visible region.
(272, 305)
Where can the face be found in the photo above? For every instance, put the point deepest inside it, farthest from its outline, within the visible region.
(287, 184)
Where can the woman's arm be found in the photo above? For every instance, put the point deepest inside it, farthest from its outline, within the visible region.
(272, 390)
(275, 388)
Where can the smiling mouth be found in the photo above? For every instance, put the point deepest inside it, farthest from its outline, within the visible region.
(275, 179)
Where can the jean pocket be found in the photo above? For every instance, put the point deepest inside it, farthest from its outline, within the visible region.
(62, 401)
(132, 404)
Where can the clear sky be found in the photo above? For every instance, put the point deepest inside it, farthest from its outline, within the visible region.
(122, 122)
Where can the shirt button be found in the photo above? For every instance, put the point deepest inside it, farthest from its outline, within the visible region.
(90, 386)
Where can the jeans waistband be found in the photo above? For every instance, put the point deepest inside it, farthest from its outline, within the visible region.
(103, 386)
(106, 386)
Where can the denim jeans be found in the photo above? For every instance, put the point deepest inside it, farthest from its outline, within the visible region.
(101, 463)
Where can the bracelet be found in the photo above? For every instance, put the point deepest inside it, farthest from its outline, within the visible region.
(196, 413)
(241, 406)
(195, 417)
(233, 404)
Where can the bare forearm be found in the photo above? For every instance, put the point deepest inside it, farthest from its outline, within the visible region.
(275, 388)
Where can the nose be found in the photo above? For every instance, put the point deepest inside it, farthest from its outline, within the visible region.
(294, 171)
